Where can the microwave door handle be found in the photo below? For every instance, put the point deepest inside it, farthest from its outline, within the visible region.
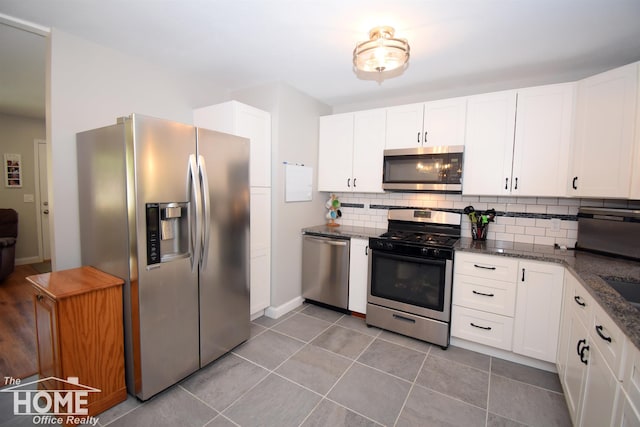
(206, 205)
(193, 189)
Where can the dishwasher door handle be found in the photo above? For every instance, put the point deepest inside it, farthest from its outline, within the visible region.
(329, 242)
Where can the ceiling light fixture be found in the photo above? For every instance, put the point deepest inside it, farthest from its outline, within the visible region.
(382, 52)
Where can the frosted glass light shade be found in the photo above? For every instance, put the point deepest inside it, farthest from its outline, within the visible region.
(381, 52)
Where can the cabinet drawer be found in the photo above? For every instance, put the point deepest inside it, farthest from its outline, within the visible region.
(608, 338)
(484, 294)
(484, 328)
(581, 302)
(487, 266)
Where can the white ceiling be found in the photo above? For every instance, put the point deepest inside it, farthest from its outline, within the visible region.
(455, 44)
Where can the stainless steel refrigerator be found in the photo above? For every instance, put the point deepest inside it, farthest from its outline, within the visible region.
(165, 206)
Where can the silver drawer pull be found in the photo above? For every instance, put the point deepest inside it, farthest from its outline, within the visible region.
(483, 294)
(486, 328)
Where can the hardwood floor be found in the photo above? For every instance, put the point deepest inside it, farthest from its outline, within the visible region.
(18, 356)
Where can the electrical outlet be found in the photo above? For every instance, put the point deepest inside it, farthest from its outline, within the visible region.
(555, 224)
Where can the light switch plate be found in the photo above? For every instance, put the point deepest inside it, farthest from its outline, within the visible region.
(28, 198)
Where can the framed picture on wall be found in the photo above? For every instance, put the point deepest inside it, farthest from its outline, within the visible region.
(12, 171)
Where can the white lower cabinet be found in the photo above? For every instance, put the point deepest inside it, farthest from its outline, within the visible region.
(627, 412)
(575, 366)
(507, 303)
(358, 271)
(538, 310)
(590, 363)
(600, 391)
(260, 258)
(481, 327)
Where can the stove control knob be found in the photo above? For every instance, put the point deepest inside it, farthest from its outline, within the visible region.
(436, 252)
(425, 251)
(388, 245)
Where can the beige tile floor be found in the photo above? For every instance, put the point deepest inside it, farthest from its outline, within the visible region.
(318, 367)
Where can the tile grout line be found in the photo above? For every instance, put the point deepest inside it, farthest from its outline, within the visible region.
(272, 371)
(413, 383)
(486, 416)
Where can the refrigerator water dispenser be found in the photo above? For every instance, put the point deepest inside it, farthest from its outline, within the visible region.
(167, 232)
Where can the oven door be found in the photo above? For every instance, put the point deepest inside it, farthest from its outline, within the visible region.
(416, 285)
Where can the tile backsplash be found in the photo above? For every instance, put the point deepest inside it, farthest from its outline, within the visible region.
(537, 220)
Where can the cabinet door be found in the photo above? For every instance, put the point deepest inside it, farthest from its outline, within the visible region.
(368, 151)
(489, 143)
(574, 375)
(243, 120)
(544, 122)
(444, 122)
(260, 263)
(335, 153)
(538, 306)
(358, 275)
(256, 125)
(47, 336)
(404, 126)
(605, 126)
(565, 323)
(626, 414)
(600, 392)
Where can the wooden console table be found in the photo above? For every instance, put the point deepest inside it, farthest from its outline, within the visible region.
(79, 331)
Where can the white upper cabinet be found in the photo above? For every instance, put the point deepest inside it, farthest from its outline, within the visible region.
(605, 130)
(517, 142)
(489, 143)
(437, 123)
(350, 152)
(244, 120)
(544, 123)
(335, 152)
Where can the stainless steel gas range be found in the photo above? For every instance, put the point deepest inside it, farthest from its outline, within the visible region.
(411, 274)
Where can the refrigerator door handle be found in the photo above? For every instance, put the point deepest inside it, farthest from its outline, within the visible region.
(206, 202)
(193, 185)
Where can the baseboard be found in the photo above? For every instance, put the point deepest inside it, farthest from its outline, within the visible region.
(30, 260)
(503, 354)
(276, 312)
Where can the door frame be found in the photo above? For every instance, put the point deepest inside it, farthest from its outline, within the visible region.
(36, 162)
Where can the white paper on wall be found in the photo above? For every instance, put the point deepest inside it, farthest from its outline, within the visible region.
(298, 183)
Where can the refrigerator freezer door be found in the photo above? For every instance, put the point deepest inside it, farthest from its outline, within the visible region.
(165, 295)
(224, 274)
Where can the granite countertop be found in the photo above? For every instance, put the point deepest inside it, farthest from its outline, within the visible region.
(587, 267)
(344, 231)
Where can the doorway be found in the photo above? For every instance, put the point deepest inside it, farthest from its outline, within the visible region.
(42, 199)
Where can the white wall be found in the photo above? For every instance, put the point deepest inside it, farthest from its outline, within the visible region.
(294, 118)
(90, 86)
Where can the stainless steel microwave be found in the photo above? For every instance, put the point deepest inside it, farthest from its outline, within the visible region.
(437, 169)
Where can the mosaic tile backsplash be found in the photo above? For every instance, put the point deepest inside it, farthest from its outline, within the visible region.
(537, 220)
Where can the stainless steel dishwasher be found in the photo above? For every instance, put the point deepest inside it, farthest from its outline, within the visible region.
(325, 269)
